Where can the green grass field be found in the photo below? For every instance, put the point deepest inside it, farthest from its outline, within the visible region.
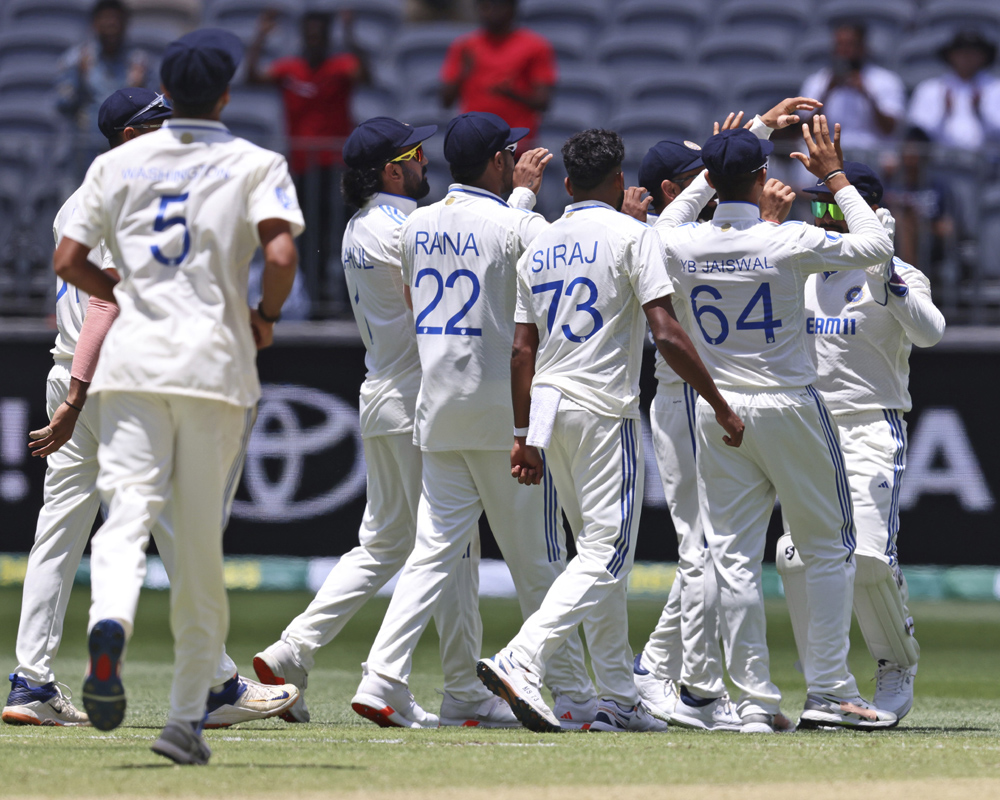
(949, 746)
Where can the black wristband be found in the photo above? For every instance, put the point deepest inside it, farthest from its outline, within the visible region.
(265, 317)
(75, 408)
(832, 174)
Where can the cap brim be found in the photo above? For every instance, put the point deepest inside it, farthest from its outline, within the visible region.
(516, 135)
(766, 147)
(818, 189)
(155, 115)
(420, 134)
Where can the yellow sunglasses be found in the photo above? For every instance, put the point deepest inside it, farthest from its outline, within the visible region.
(417, 153)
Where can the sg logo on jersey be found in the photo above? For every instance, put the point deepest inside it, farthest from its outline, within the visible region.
(305, 457)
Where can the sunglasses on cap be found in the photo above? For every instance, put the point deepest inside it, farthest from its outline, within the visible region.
(417, 153)
(820, 209)
(511, 148)
(157, 102)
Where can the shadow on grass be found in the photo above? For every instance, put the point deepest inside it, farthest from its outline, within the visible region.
(253, 765)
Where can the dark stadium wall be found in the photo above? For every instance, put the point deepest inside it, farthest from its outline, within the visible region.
(304, 484)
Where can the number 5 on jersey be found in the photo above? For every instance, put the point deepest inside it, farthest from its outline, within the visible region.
(162, 223)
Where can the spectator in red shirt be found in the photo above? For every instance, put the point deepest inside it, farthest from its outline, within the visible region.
(503, 69)
(316, 89)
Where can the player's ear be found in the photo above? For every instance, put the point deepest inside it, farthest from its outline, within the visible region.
(129, 134)
(569, 186)
(669, 188)
(708, 177)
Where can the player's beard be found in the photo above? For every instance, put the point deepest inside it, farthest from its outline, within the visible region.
(416, 187)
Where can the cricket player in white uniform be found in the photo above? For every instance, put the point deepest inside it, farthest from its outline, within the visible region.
(679, 674)
(181, 210)
(458, 258)
(744, 279)
(862, 331)
(69, 443)
(575, 366)
(386, 177)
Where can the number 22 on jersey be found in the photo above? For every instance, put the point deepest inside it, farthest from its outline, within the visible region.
(163, 222)
(452, 327)
(761, 297)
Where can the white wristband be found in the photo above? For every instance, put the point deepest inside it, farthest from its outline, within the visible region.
(521, 431)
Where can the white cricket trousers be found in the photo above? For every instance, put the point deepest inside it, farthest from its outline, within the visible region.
(597, 465)
(790, 446)
(457, 487)
(874, 444)
(385, 539)
(684, 647)
(67, 516)
(155, 450)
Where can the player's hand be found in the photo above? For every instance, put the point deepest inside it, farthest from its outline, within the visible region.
(776, 201)
(825, 155)
(634, 205)
(54, 435)
(732, 425)
(783, 114)
(734, 120)
(530, 167)
(526, 464)
(263, 332)
(888, 222)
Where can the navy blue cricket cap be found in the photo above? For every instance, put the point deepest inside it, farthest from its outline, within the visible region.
(666, 160)
(735, 152)
(197, 68)
(862, 178)
(376, 140)
(130, 108)
(476, 136)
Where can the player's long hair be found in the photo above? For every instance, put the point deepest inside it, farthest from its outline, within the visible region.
(358, 185)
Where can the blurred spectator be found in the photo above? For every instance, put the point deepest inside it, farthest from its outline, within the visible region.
(439, 11)
(867, 100)
(316, 89)
(94, 70)
(962, 107)
(501, 68)
(922, 205)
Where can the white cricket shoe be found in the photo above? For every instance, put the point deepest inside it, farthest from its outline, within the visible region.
(492, 712)
(276, 666)
(717, 714)
(244, 700)
(758, 723)
(520, 688)
(181, 742)
(611, 717)
(574, 716)
(834, 712)
(389, 704)
(42, 705)
(894, 688)
(659, 696)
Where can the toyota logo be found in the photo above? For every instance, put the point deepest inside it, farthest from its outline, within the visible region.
(293, 424)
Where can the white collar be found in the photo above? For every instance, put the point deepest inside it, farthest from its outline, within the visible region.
(405, 204)
(736, 210)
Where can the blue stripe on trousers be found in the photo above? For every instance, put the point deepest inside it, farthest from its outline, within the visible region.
(898, 466)
(627, 496)
(840, 472)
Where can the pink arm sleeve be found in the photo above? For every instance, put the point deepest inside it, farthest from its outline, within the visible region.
(96, 324)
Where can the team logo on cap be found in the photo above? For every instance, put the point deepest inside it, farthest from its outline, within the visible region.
(854, 294)
(691, 145)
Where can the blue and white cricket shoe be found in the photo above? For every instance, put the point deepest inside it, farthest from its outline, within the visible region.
(520, 688)
(574, 716)
(103, 693)
(614, 718)
(244, 700)
(39, 705)
(659, 696)
(834, 712)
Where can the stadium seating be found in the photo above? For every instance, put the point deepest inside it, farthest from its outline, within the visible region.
(634, 54)
(33, 82)
(587, 88)
(420, 51)
(690, 95)
(891, 17)
(35, 43)
(765, 17)
(735, 51)
(257, 115)
(583, 19)
(72, 14)
(677, 20)
(375, 21)
(980, 15)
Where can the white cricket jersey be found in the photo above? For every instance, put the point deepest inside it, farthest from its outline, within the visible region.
(458, 257)
(370, 257)
(862, 347)
(743, 281)
(178, 209)
(71, 303)
(685, 208)
(583, 282)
